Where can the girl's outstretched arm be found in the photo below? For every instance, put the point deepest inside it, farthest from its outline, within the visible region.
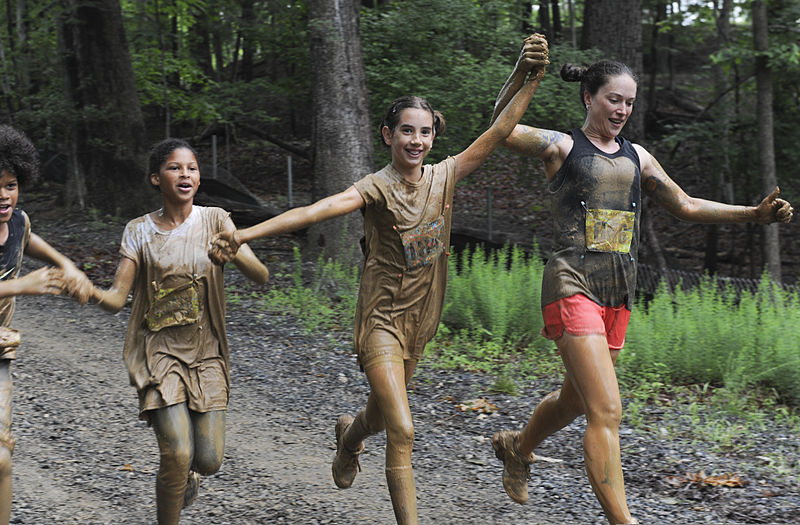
(503, 125)
(246, 261)
(226, 245)
(113, 299)
(38, 282)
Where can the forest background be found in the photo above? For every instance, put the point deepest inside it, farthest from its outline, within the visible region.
(95, 82)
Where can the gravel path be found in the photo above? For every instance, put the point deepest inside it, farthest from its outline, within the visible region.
(82, 455)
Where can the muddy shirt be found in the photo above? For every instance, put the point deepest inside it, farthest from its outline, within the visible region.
(596, 203)
(169, 259)
(19, 233)
(407, 227)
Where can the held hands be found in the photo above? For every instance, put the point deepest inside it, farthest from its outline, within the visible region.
(772, 209)
(43, 281)
(77, 284)
(534, 56)
(224, 247)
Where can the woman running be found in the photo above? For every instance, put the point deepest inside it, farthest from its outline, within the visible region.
(588, 287)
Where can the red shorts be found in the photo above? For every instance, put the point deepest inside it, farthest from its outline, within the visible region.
(579, 315)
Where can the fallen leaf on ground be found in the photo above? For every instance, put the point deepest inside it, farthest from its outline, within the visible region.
(480, 404)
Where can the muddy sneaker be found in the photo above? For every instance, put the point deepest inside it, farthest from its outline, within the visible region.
(516, 469)
(345, 464)
(192, 488)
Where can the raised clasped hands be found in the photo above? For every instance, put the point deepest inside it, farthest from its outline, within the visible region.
(224, 247)
(534, 56)
(773, 209)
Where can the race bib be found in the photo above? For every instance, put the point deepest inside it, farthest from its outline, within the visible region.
(423, 244)
(174, 306)
(609, 230)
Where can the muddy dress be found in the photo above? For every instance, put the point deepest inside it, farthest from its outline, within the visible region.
(187, 359)
(19, 233)
(407, 229)
(596, 204)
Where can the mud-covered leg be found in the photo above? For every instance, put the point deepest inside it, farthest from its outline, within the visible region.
(388, 379)
(6, 441)
(590, 368)
(173, 427)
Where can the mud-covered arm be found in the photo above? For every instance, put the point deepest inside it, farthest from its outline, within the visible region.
(226, 244)
(663, 190)
(509, 114)
(77, 284)
(38, 282)
(113, 299)
(246, 261)
(533, 58)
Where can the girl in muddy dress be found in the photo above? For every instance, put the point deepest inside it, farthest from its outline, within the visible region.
(18, 167)
(407, 212)
(596, 178)
(176, 349)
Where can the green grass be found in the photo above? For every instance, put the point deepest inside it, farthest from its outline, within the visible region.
(730, 362)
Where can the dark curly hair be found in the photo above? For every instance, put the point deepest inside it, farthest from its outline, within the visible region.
(18, 155)
(392, 117)
(595, 76)
(161, 152)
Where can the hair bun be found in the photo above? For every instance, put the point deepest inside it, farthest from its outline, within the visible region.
(572, 73)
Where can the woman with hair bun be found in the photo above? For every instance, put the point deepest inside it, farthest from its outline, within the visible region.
(595, 182)
(407, 211)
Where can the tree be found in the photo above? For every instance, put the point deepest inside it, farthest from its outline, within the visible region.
(624, 43)
(764, 133)
(106, 147)
(340, 139)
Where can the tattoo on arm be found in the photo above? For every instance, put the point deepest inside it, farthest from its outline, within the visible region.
(537, 140)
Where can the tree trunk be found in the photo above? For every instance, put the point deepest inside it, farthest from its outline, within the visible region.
(764, 135)
(624, 43)
(544, 19)
(341, 131)
(248, 42)
(556, 20)
(108, 136)
(723, 120)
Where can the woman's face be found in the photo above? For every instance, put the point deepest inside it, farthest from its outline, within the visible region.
(411, 140)
(178, 177)
(610, 107)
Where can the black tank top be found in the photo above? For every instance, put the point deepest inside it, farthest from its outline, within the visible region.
(595, 201)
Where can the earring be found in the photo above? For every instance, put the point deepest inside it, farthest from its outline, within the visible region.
(587, 107)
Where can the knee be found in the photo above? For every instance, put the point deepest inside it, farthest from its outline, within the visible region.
(207, 462)
(177, 456)
(5, 463)
(608, 414)
(401, 436)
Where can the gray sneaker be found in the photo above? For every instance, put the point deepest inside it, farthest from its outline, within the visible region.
(192, 488)
(345, 464)
(516, 469)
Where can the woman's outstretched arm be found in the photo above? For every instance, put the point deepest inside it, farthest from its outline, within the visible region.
(663, 190)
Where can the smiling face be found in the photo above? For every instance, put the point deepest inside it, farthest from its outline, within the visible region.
(410, 141)
(178, 177)
(610, 107)
(9, 193)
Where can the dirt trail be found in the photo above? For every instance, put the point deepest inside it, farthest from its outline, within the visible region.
(83, 457)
